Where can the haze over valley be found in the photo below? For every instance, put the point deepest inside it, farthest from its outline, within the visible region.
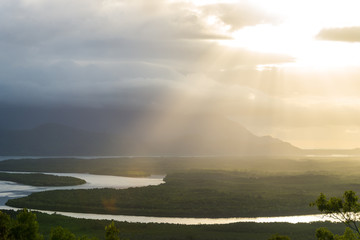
(165, 114)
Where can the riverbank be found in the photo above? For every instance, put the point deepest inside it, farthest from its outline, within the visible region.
(186, 221)
(200, 194)
(40, 179)
(153, 231)
(147, 166)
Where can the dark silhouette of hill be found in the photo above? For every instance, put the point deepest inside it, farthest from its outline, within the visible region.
(212, 135)
(333, 152)
(199, 136)
(53, 139)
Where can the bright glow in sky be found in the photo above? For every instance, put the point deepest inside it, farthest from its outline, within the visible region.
(296, 34)
(289, 69)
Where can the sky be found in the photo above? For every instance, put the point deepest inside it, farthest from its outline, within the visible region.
(289, 69)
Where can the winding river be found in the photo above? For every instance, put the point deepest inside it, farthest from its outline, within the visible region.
(10, 190)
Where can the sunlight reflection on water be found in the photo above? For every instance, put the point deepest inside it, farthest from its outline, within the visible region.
(10, 190)
(191, 221)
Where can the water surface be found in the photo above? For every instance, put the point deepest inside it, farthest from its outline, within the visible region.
(9, 190)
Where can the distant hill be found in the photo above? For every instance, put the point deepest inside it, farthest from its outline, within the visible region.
(202, 136)
(333, 152)
(53, 139)
(213, 136)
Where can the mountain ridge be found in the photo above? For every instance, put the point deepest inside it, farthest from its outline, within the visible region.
(216, 137)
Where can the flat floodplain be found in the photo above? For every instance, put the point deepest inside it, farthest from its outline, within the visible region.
(200, 187)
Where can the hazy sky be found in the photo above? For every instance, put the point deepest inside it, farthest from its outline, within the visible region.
(289, 69)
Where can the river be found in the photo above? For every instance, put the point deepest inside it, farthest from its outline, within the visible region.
(10, 190)
(190, 221)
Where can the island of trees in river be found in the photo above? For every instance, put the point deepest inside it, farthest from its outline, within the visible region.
(40, 180)
(199, 194)
(202, 187)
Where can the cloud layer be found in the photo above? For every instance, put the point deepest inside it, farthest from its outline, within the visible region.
(165, 56)
(94, 51)
(346, 34)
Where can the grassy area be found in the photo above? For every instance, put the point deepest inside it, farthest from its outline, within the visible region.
(201, 194)
(195, 187)
(165, 165)
(138, 167)
(152, 231)
(38, 179)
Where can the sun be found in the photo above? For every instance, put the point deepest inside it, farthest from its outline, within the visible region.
(297, 31)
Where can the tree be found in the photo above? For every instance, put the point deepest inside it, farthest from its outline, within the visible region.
(5, 225)
(25, 227)
(345, 209)
(86, 238)
(278, 237)
(326, 234)
(60, 233)
(348, 235)
(112, 232)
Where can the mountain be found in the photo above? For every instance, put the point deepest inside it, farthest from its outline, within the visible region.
(333, 152)
(53, 140)
(212, 135)
(199, 136)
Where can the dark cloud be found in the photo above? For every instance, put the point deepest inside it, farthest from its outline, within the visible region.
(346, 34)
(113, 55)
(100, 53)
(81, 62)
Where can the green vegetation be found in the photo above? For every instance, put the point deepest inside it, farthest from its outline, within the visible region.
(166, 165)
(112, 232)
(151, 231)
(38, 179)
(60, 233)
(345, 210)
(26, 227)
(138, 167)
(204, 187)
(199, 194)
(278, 237)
